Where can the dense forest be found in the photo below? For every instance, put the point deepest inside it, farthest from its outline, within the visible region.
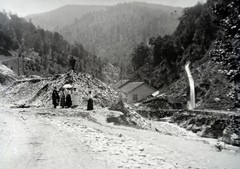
(199, 27)
(44, 52)
(114, 32)
(208, 36)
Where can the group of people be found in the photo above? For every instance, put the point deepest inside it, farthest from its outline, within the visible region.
(69, 98)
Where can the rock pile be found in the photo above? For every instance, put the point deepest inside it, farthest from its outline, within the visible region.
(37, 91)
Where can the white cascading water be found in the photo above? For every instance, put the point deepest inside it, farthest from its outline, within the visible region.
(191, 84)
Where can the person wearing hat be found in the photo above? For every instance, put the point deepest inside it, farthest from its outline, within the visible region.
(90, 101)
(72, 62)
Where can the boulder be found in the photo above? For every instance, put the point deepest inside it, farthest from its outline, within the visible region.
(129, 117)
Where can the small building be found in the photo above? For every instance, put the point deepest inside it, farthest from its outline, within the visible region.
(136, 91)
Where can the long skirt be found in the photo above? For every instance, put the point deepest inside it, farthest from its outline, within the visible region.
(68, 100)
(90, 104)
(62, 103)
(55, 102)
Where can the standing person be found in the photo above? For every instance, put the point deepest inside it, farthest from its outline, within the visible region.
(55, 97)
(68, 99)
(62, 97)
(72, 62)
(74, 98)
(90, 101)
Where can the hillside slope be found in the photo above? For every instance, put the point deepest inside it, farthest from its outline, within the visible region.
(114, 32)
(62, 16)
(28, 50)
(208, 36)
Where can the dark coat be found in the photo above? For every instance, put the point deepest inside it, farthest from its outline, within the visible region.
(90, 104)
(62, 103)
(55, 97)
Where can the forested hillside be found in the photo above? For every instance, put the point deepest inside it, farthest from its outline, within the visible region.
(41, 52)
(113, 33)
(62, 16)
(208, 36)
(169, 53)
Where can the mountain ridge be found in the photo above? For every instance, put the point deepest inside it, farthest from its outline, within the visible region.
(114, 32)
(52, 19)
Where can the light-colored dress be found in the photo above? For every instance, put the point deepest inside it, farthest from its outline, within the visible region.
(75, 98)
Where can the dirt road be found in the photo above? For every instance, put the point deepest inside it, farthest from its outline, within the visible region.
(32, 142)
(43, 138)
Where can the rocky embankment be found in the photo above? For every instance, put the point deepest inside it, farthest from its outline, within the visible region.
(130, 117)
(225, 127)
(219, 125)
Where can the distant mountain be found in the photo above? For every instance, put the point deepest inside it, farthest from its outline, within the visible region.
(113, 33)
(62, 16)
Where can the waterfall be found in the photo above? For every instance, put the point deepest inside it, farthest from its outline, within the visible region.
(191, 105)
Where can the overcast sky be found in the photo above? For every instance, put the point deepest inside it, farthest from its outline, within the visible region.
(26, 7)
